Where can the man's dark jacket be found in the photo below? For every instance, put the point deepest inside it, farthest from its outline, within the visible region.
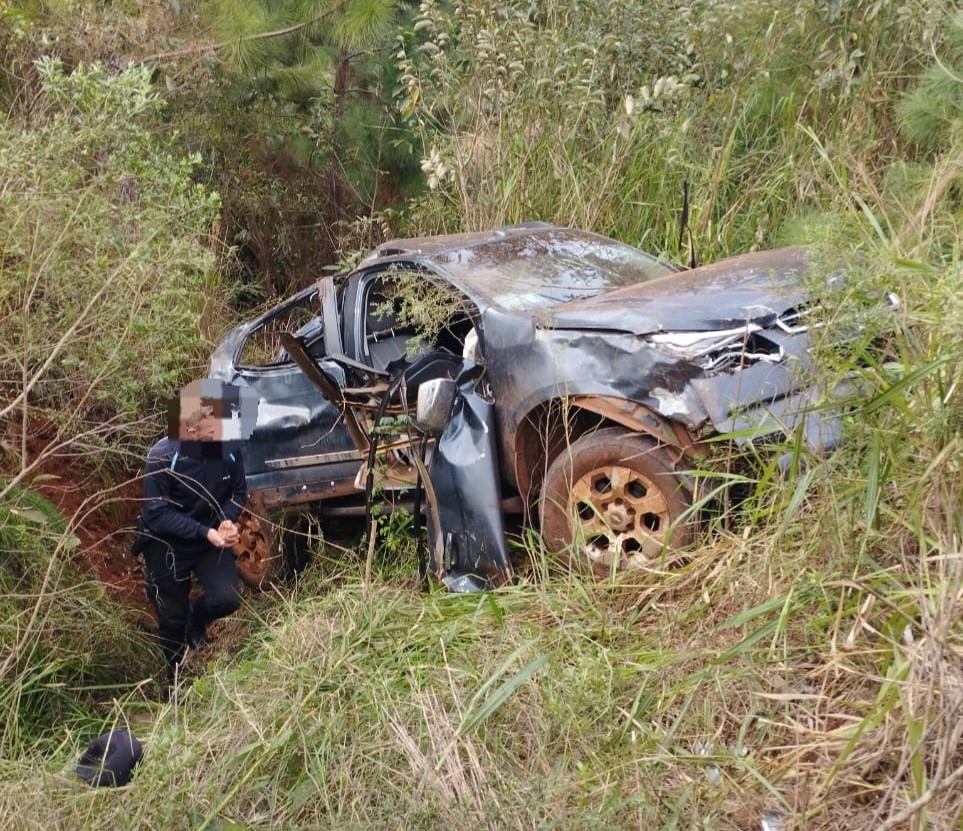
(191, 487)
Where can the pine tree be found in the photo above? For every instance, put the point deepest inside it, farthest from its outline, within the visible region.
(295, 120)
(931, 117)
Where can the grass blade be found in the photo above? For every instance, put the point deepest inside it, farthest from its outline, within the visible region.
(477, 714)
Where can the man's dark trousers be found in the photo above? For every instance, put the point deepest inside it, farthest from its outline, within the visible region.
(168, 577)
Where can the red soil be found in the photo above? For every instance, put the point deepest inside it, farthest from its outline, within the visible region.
(100, 516)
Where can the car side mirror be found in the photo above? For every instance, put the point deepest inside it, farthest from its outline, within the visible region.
(435, 400)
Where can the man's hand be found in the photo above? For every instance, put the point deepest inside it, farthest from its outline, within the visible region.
(215, 538)
(229, 532)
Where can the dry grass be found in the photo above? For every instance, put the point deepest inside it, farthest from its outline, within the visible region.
(804, 666)
(755, 678)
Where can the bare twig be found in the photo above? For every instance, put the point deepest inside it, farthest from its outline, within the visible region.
(944, 784)
(61, 343)
(372, 538)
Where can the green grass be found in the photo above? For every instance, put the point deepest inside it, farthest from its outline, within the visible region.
(805, 659)
(761, 675)
(65, 647)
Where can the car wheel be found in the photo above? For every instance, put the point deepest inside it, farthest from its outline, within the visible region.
(254, 551)
(612, 502)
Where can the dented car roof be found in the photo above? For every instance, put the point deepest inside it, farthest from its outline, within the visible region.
(526, 268)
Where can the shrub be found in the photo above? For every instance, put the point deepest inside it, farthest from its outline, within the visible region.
(104, 253)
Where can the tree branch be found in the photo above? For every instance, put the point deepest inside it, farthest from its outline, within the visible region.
(216, 47)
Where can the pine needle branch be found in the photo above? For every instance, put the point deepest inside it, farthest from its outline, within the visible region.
(217, 47)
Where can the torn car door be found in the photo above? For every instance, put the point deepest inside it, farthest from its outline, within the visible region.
(460, 467)
(466, 531)
(302, 449)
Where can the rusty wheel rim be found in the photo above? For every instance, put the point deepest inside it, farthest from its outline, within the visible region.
(252, 551)
(620, 518)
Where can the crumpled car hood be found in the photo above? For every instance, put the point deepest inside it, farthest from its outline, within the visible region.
(755, 287)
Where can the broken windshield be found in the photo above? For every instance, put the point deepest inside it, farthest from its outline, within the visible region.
(545, 269)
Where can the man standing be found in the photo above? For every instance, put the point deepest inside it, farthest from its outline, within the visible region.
(194, 492)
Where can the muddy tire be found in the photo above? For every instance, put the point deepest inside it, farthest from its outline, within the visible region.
(255, 553)
(611, 502)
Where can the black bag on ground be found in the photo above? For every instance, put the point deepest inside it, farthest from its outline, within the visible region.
(110, 759)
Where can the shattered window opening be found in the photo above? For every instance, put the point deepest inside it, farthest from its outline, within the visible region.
(263, 347)
(408, 314)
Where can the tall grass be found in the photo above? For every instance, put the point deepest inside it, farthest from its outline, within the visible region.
(779, 672)
(65, 645)
(525, 117)
(803, 666)
(541, 704)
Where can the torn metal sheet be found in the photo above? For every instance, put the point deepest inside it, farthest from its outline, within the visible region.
(463, 470)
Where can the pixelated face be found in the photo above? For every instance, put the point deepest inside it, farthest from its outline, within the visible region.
(212, 411)
(206, 428)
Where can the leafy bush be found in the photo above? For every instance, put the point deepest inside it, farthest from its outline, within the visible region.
(105, 255)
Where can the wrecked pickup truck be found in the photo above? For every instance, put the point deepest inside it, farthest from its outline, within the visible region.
(532, 370)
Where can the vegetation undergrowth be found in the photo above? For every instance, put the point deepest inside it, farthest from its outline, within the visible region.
(65, 645)
(801, 669)
(105, 268)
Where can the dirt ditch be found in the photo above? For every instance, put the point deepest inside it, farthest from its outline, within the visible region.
(101, 515)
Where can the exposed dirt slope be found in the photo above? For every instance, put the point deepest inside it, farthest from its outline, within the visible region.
(100, 515)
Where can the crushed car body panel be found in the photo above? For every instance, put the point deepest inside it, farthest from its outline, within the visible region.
(463, 467)
(754, 288)
(746, 348)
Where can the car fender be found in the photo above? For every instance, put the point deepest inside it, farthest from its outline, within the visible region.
(531, 438)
